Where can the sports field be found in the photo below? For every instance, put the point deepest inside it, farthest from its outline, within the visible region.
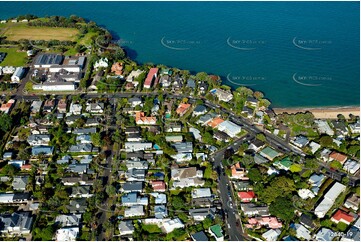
(17, 31)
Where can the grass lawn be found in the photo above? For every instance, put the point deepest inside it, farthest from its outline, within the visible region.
(17, 31)
(13, 57)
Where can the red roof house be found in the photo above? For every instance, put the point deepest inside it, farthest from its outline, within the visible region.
(158, 186)
(247, 196)
(341, 216)
(152, 74)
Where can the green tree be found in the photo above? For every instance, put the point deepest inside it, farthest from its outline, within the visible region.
(178, 202)
(282, 208)
(295, 168)
(10, 170)
(96, 139)
(326, 141)
(5, 122)
(341, 226)
(255, 175)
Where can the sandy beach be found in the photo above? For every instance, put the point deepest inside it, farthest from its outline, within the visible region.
(322, 113)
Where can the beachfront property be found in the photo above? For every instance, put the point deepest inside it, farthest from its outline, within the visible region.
(152, 75)
(222, 95)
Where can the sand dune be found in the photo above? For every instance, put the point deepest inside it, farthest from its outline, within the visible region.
(323, 113)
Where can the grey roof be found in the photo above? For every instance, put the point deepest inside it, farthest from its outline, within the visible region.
(352, 234)
(68, 219)
(81, 148)
(307, 221)
(129, 198)
(77, 205)
(249, 208)
(20, 182)
(202, 212)
(258, 159)
(49, 59)
(18, 221)
(200, 236)
(247, 110)
(80, 190)
(160, 211)
(191, 83)
(132, 186)
(183, 147)
(200, 109)
(325, 234)
(85, 131)
(47, 150)
(78, 168)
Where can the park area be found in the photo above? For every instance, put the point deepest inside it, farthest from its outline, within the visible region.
(17, 31)
(14, 57)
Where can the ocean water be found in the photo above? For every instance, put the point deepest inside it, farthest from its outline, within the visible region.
(300, 54)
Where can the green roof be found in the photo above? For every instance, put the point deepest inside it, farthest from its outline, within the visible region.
(286, 162)
(270, 152)
(217, 230)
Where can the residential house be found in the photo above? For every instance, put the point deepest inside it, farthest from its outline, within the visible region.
(269, 222)
(134, 211)
(325, 154)
(355, 127)
(95, 108)
(258, 159)
(191, 84)
(196, 133)
(325, 234)
(314, 147)
(341, 216)
(203, 87)
(186, 177)
(62, 106)
(328, 199)
(215, 122)
(49, 106)
(221, 136)
(79, 131)
(173, 128)
(199, 236)
(271, 235)
(158, 186)
(18, 74)
(20, 182)
(137, 146)
(199, 110)
(141, 119)
(283, 164)
(242, 185)
(67, 234)
(183, 147)
(200, 214)
(351, 166)
(247, 111)
(38, 139)
(126, 227)
(80, 191)
(316, 181)
(68, 220)
(132, 198)
(324, 127)
(159, 198)
(256, 145)
(152, 75)
(135, 175)
(160, 211)
(216, 232)
(101, 63)
(83, 139)
(171, 224)
(6, 107)
(17, 223)
(205, 119)
(82, 148)
(117, 68)
(183, 108)
(135, 101)
(247, 197)
(137, 164)
(229, 128)
(269, 153)
(338, 157)
(250, 210)
(251, 101)
(75, 108)
(77, 205)
(300, 141)
(42, 150)
(238, 172)
(132, 187)
(222, 95)
(307, 221)
(36, 106)
(340, 127)
(201, 192)
(353, 202)
(301, 231)
(174, 138)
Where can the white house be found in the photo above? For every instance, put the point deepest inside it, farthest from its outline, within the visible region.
(172, 224)
(229, 128)
(55, 86)
(18, 74)
(102, 63)
(67, 234)
(271, 235)
(328, 199)
(134, 211)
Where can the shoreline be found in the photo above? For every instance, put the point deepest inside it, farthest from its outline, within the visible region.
(323, 112)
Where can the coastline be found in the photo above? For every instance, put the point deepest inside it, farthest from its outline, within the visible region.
(323, 112)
